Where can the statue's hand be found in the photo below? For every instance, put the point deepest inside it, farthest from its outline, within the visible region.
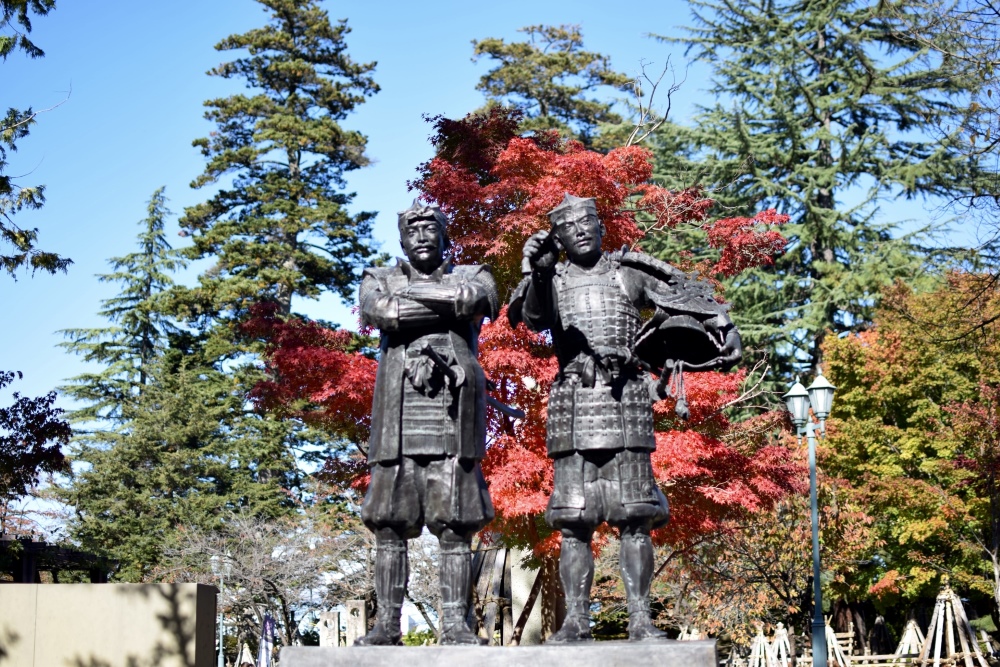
(468, 301)
(540, 251)
(730, 355)
(383, 313)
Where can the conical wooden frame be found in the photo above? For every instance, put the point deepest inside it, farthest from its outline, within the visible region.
(781, 649)
(912, 641)
(950, 638)
(760, 651)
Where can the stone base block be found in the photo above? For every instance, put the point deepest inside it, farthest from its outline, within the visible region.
(595, 654)
(107, 625)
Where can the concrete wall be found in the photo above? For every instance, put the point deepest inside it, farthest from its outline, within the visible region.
(107, 625)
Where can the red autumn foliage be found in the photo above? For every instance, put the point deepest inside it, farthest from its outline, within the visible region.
(977, 423)
(317, 374)
(496, 188)
(746, 242)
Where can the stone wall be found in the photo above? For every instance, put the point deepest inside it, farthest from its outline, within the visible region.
(107, 625)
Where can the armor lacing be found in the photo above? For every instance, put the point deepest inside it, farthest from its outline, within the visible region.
(638, 607)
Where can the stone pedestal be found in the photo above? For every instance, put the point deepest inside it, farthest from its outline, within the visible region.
(357, 620)
(108, 625)
(521, 581)
(591, 654)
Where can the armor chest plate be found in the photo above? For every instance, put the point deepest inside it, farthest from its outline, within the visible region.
(429, 404)
(594, 307)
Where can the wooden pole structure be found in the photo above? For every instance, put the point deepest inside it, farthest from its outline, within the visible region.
(948, 624)
(760, 650)
(912, 641)
(781, 649)
(835, 655)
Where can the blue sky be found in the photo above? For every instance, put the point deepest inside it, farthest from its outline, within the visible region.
(137, 75)
(136, 72)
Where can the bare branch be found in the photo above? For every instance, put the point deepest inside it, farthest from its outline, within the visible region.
(28, 119)
(752, 388)
(290, 568)
(649, 120)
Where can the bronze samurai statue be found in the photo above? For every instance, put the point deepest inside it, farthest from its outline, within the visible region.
(428, 419)
(600, 417)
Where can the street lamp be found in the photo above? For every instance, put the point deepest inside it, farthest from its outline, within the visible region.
(220, 568)
(819, 396)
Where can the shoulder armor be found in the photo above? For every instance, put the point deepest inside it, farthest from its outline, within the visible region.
(481, 274)
(380, 273)
(649, 264)
(675, 290)
(469, 271)
(615, 256)
(380, 276)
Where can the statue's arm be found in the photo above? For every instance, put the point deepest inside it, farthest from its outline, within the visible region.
(390, 312)
(532, 301)
(470, 295)
(732, 351)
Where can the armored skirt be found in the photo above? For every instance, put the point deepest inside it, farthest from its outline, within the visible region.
(600, 439)
(439, 492)
(615, 416)
(427, 440)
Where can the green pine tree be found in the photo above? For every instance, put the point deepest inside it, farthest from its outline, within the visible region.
(137, 331)
(828, 112)
(548, 78)
(15, 124)
(278, 227)
(189, 453)
(165, 438)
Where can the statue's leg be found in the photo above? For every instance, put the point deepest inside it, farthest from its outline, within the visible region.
(391, 571)
(636, 560)
(455, 575)
(576, 572)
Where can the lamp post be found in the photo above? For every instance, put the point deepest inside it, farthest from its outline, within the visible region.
(220, 568)
(799, 399)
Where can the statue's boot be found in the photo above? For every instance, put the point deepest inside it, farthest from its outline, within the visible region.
(390, 584)
(456, 587)
(636, 560)
(576, 572)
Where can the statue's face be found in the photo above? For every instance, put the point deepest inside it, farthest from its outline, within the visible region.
(580, 236)
(423, 244)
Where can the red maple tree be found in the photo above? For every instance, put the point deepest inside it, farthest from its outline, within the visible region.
(496, 187)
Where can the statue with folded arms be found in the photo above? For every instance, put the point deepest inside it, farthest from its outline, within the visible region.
(428, 419)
